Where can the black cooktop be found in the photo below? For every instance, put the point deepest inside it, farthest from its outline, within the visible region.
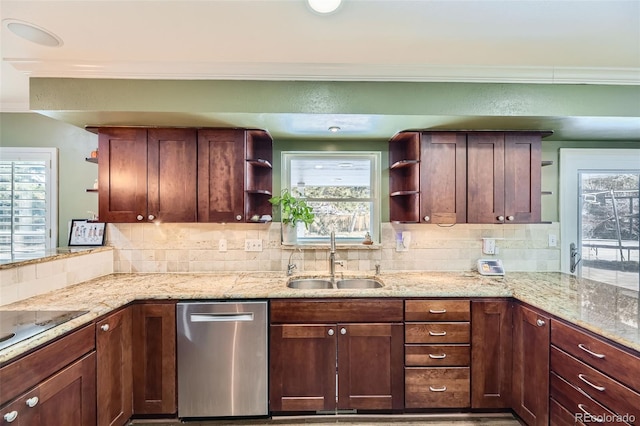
(16, 326)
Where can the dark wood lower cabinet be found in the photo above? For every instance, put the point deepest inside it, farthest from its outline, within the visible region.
(370, 373)
(307, 359)
(530, 379)
(154, 358)
(302, 367)
(491, 354)
(114, 374)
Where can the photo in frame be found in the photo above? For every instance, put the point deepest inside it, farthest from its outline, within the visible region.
(86, 233)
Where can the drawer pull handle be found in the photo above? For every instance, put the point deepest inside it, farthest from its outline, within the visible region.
(598, 388)
(437, 333)
(581, 407)
(581, 346)
(437, 311)
(540, 323)
(32, 402)
(442, 389)
(432, 356)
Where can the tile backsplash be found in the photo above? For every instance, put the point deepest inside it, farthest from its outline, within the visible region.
(195, 248)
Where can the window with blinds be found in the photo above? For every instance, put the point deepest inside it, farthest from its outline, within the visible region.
(26, 202)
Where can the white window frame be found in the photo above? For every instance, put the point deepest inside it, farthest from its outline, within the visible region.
(375, 160)
(50, 156)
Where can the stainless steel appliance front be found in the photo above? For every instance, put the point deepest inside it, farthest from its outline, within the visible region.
(222, 359)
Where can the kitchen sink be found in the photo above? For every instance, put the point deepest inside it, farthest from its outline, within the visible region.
(358, 283)
(309, 283)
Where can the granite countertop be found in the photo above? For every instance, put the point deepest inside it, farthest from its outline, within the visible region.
(604, 309)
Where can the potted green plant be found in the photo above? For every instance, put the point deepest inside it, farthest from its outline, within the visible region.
(294, 211)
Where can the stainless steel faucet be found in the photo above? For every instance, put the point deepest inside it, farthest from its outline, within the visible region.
(332, 257)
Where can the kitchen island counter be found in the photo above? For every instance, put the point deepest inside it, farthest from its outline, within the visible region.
(604, 309)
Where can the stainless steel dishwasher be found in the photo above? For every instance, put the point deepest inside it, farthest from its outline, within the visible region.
(222, 359)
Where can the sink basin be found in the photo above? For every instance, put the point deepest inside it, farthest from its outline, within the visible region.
(358, 283)
(309, 283)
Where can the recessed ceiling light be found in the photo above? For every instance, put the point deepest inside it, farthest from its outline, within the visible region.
(334, 129)
(324, 6)
(33, 33)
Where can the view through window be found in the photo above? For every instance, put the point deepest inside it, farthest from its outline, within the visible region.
(343, 190)
(609, 221)
(26, 208)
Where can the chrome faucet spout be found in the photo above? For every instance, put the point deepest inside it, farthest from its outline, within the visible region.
(332, 257)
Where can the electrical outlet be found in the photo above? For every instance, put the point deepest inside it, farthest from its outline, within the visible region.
(489, 246)
(222, 245)
(553, 240)
(252, 245)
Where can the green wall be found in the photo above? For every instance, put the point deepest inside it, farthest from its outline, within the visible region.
(75, 174)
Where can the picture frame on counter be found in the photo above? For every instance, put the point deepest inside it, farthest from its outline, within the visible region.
(85, 232)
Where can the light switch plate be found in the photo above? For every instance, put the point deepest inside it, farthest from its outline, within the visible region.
(252, 245)
(222, 245)
(488, 246)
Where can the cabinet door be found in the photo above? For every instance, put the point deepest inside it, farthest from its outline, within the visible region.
(221, 175)
(113, 365)
(122, 174)
(443, 175)
(485, 180)
(154, 358)
(69, 397)
(302, 367)
(172, 169)
(491, 354)
(370, 366)
(531, 335)
(522, 180)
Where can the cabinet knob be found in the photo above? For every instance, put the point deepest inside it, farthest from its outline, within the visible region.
(427, 218)
(151, 217)
(139, 217)
(104, 327)
(238, 217)
(510, 218)
(330, 332)
(343, 331)
(32, 402)
(11, 416)
(500, 218)
(540, 323)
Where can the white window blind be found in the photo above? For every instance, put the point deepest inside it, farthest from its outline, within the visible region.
(28, 197)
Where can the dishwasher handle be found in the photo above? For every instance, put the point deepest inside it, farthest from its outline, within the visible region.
(222, 317)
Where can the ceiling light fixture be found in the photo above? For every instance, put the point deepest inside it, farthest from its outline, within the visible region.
(334, 129)
(32, 33)
(324, 6)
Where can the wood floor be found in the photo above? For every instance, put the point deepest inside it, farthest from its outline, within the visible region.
(354, 420)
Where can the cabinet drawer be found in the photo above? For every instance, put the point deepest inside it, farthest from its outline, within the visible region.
(605, 357)
(437, 310)
(610, 393)
(437, 387)
(437, 332)
(26, 372)
(560, 416)
(437, 355)
(581, 407)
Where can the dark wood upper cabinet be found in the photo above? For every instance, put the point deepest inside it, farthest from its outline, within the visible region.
(443, 175)
(221, 175)
(530, 373)
(147, 175)
(184, 175)
(491, 354)
(122, 174)
(465, 177)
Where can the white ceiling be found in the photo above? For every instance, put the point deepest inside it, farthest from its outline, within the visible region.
(555, 41)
